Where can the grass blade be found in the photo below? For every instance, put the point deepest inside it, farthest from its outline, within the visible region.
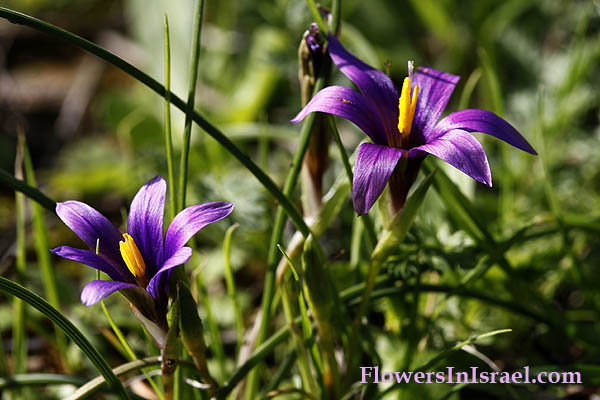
(21, 186)
(189, 110)
(168, 138)
(96, 384)
(41, 247)
(459, 207)
(19, 353)
(26, 380)
(263, 178)
(443, 355)
(69, 330)
(231, 290)
(213, 329)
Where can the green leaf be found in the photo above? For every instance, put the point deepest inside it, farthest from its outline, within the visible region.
(443, 355)
(192, 332)
(326, 307)
(96, 384)
(460, 209)
(189, 110)
(20, 185)
(231, 289)
(19, 354)
(41, 248)
(69, 330)
(40, 379)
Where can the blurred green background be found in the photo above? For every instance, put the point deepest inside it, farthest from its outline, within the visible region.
(96, 135)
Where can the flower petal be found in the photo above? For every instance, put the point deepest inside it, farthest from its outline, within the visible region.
(349, 104)
(95, 291)
(189, 221)
(180, 257)
(93, 260)
(145, 222)
(90, 225)
(372, 170)
(461, 150)
(374, 84)
(474, 120)
(435, 89)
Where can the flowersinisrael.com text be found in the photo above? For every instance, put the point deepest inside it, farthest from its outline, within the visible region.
(450, 375)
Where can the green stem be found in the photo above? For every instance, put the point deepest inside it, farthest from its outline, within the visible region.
(280, 374)
(168, 138)
(21, 380)
(43, 255)
(19, 353)
(31, 192)
(213, 328)
(336, 12)
(69, 329)
(316, 14)
(264, 179)
(231, 291)
(3, 361)
(189, 110)
(308, 382)
(96, 384)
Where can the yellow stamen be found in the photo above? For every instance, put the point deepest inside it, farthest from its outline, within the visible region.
(406, 105)
(132, 256)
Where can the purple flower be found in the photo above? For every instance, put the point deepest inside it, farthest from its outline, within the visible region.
(139, 258)
(405, 127)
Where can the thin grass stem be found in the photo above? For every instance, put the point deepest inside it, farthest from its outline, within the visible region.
(168, 138)
(231, 287)
(69, 330)
(193, 77)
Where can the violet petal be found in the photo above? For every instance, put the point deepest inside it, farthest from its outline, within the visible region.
(95, 291)
(93, 260)
(372, 170)
(349, 104)
(474, 120)
(435, 89)
(145, 222)
(180, 257)
(90, 225)
(189, 221)
(374, 84)
(461, 150)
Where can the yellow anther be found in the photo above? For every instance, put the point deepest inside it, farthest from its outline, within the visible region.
(132, 257)
(413, 104)
(406, 105)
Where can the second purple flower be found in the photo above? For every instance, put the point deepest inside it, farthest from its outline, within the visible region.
(141, 257)
(405, 127)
